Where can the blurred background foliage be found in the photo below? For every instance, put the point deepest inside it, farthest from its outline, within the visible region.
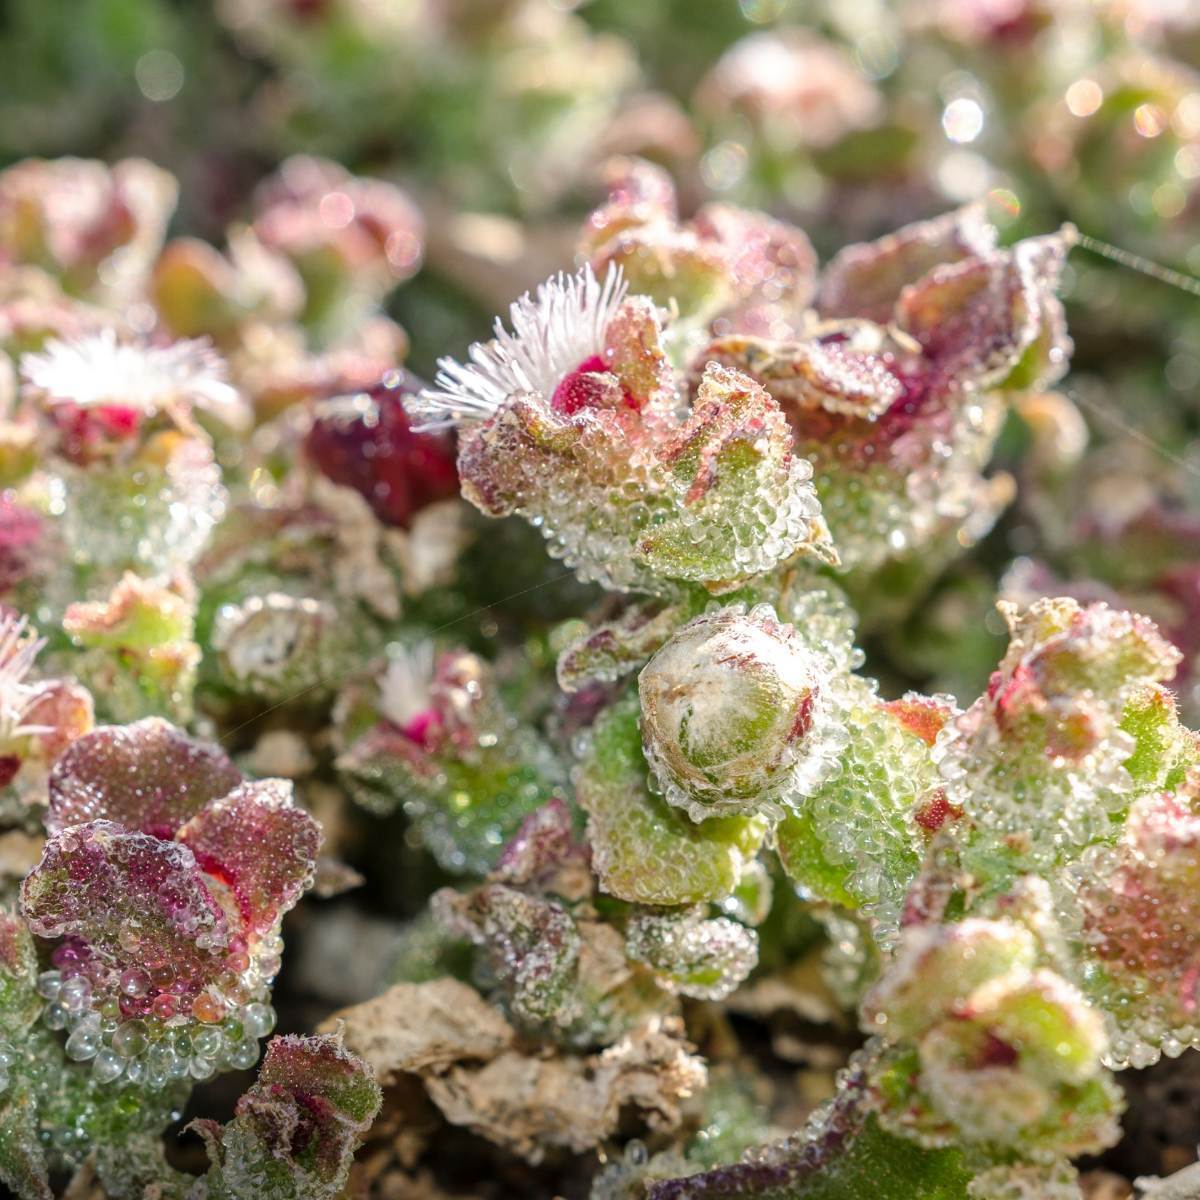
(848, 118)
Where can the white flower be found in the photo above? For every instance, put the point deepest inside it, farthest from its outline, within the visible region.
(553, 331)
(404, 689)
(19, 646)
(100, 370)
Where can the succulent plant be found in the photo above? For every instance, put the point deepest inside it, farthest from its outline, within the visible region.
(751, 684)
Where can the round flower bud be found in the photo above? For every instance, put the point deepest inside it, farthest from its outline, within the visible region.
(737, 714)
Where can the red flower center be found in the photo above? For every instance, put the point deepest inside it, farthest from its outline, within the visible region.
(590, 385)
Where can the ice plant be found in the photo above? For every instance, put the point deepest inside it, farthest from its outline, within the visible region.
(162, 886)
(1134, 910)
(568, 419)
(737, 714)
(125, 382)
(1073, 727)
(94, 228)
(38, 718)
(435, 739)
(295, 1131)
(350, 239)
(620, 828)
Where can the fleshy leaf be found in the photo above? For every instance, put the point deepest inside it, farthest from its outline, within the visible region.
(615, 647)
(148, 776)
(857, 839)
(981, 319)
(444, 746)
(866, 279)
(987, 1048)
(295, 1131)
(1038, 762)
(129, 897)
(899, 423)
(745, 502)
(544, 842)
(260, 845)
(814, 374)
(281, 647)
(138, 655)
(691, 955)
(643, 849)
(1138, 909)
(758, 273)
(533, 947)
(569, 420)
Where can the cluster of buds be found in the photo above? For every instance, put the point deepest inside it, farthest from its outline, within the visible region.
(1075, 723)
(986, 1048)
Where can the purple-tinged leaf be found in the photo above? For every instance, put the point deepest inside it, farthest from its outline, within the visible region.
(148, 776)
(260, 845)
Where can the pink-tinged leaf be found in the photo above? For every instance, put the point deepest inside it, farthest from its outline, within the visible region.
(148, 776)
(306, 1114)
(130, 901)
(639, 192)
(773, 265)
(21, 533)
(17, 959)
(257, 843)
(802, 376)
(63, 711)
(976, 320)
(544, 841)
(736, 443)
(633, 352)
(865, 280)
(1139, 915)
(383, 230)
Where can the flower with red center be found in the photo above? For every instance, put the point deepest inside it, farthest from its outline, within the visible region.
(101, 388)
(572, 420)
(558, 334)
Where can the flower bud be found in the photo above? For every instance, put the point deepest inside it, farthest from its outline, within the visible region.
(736, 714)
